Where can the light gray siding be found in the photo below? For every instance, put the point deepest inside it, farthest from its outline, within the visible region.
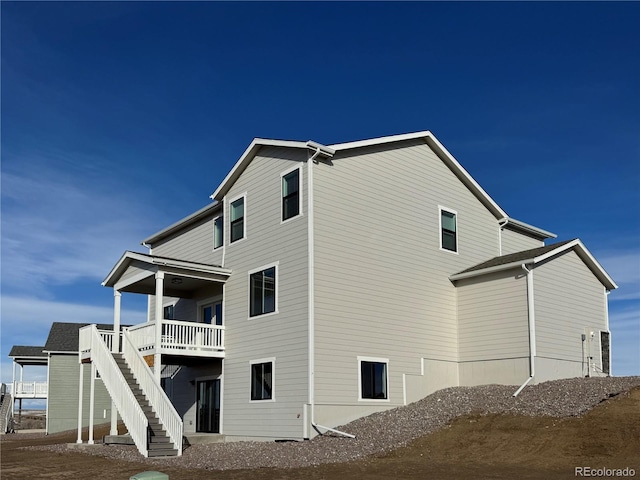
(64, 372)
(513, 241)
(492, 316)
(282, 335)
(382, 287)
(195, 243)
(569, 301)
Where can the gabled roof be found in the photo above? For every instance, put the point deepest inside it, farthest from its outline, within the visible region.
(27, 351)
(330, 150)
(251, 152)
(535, 256)
(129, 257)
(63, 336)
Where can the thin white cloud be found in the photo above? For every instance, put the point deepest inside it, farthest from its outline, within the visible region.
(624, 268)
(57, 229)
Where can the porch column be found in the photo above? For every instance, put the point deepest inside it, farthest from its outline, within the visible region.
(92, 401)
(80, 386)
(117, 298)
(159, 292)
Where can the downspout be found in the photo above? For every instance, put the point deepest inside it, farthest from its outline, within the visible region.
(311, 298)
(532, 329)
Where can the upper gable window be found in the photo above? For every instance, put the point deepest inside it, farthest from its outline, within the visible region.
(448, 230)
(236, 214)
(291, 194)
(218, 232)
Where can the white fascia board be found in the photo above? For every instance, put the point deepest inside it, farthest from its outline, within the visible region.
(485, 271)
(246, 157)
(526, 227)
(586, 257)
(469, 181)
(443, 153)
(197, 215)
(109, 280)
(380, 140)
(186, 265)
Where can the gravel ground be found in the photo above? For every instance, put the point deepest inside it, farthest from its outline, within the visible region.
(382, 432)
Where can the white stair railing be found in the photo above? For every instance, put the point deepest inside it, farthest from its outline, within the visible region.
(158, 400)
(115, 383)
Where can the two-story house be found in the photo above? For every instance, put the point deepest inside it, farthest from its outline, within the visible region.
(325, 283)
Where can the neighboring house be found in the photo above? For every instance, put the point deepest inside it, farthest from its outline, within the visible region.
(325, 283)
(60, 354)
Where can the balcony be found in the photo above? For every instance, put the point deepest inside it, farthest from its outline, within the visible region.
(29, 390)
(178, 338)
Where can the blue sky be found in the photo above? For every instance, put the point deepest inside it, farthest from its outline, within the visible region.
(120, 118)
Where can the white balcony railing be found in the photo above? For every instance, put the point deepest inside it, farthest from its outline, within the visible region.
(183, 338)
(29, 390)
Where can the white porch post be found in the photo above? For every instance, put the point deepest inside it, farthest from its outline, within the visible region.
(115, 348)
(92, 398)
(80, 386)
(117, 299)
(159, 293)
(13, 382)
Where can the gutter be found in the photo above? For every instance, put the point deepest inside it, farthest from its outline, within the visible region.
(532, 329)
(319, 150)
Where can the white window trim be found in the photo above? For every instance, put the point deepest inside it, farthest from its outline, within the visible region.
(169, 303)
(377, 360)
(277, 280)
(271, 360)
(228, 220)
(214, 232)
(300, 183)
(448, 210)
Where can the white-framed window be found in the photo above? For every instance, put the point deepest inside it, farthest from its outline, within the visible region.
(263, 293)
(373, 379)
(448, 229)
(237, 218)
(291, 181)
(263, 374)
(218, 232)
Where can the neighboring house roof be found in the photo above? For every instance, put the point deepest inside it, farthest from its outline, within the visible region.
(185, 222)
(129, 257)
(27, 351)
(537, 255)
(330, 150)
(63, 336)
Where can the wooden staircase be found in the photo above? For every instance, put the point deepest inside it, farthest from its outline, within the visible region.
(158, 441)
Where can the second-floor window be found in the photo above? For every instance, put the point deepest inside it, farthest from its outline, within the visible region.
(449, 230)
(291, 194)
(262, 292)
(236, 214)
(218, 232)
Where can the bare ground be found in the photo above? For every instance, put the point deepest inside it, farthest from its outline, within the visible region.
(484, 446)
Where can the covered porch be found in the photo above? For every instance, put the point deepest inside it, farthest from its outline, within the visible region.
(185, 307)
(28, 356)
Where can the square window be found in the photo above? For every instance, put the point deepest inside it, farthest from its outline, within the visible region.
(373, 380)
(291, 194)
(448, 238)
(262, 292)
(237, 219)
(261, 381)
(218, 232)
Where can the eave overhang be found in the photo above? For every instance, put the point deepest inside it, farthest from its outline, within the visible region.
(148, 265)
(575, 245)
